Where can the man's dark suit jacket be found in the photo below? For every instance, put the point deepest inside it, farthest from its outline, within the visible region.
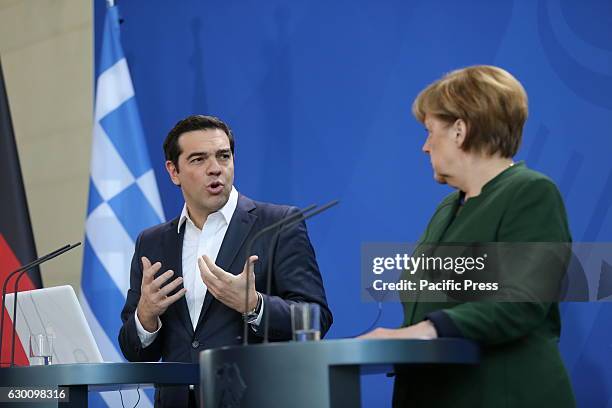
(296, 278)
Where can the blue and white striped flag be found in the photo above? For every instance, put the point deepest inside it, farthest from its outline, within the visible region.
(123, 200)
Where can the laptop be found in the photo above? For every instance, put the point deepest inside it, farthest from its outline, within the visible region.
(55, 311)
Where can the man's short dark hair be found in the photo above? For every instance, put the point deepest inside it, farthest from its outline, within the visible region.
(172, 150)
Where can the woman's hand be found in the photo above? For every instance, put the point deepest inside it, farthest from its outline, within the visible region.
(424, 330)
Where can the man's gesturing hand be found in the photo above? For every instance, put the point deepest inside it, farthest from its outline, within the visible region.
(154, 300)
(227, 288)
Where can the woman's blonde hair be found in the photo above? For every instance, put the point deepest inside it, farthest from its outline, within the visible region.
(490, 100)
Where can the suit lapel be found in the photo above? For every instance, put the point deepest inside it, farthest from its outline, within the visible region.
(434, 234)
(173, 248)
(441, 223)
(237, 232)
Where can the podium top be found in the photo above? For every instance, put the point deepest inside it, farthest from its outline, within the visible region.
(373, 356)
(316, 373)
(101, 376)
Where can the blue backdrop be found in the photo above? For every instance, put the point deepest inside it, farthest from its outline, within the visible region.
(318, 94)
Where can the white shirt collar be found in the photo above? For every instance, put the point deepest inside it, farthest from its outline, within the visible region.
(227, 211)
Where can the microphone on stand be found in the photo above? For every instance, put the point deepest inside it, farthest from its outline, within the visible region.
(249, 247)
(273, 248)
(21, 271)
(10, 275)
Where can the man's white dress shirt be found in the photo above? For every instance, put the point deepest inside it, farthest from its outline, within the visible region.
(198, 242)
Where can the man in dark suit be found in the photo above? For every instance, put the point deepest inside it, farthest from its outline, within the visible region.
(188, 276)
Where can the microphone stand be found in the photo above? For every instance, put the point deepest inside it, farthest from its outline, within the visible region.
(6, 281)
(249, 247)
(21, 271)
(271, 255)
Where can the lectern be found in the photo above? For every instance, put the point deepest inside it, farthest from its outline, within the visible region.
(317, 373)
(81, 378)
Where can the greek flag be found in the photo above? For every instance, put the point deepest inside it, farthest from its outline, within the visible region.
(123, 200)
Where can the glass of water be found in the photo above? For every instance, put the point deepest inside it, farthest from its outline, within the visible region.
(41, 349)
(306, 321)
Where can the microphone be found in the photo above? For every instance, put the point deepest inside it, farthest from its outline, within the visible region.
(272, 249)
(21, 271)
(10, 275)
(249, 247)
(15, 290)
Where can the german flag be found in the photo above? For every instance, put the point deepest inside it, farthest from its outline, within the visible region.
(16, 239)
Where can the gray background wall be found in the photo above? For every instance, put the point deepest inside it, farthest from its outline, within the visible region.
(46, 53)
